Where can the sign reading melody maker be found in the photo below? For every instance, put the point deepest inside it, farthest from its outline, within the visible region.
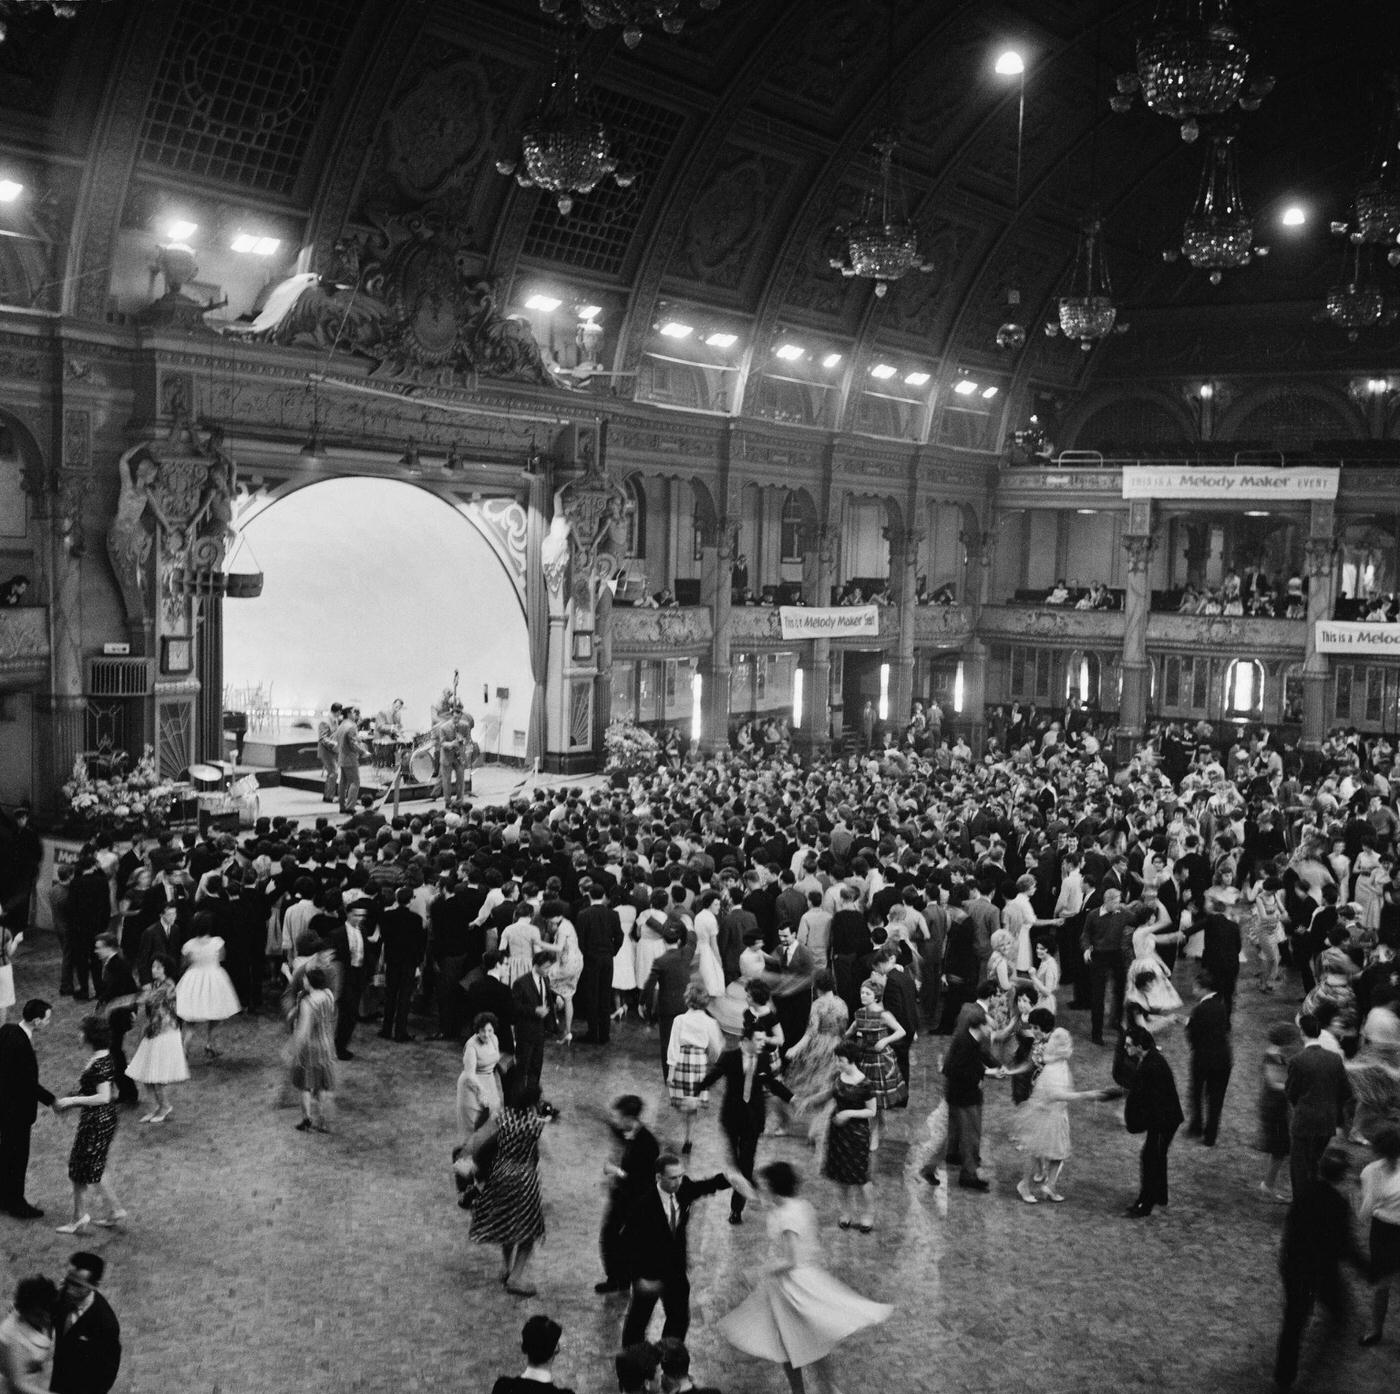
(1340, 636)
(1241, 482)
(838, 622)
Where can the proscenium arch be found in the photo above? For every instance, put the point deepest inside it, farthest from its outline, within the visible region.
(252, 505)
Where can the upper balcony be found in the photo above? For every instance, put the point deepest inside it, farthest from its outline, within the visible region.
(24, 647)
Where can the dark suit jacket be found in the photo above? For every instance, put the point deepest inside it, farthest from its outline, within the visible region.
(652, 1250)
(20, 1090)
(88, 1355)
(1220, 951)
(1317, 1092)
(405, 937)
(1208, 1030)
(670, 972)
(599, 931)
(116, 981)
(902, 1001)
(1153, 1105)
(638, 1160)
(527, 997)
(490, 994)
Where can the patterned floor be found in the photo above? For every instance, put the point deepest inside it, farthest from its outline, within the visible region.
(259, 1259)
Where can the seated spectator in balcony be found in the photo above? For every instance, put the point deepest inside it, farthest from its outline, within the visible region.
(769, 596)
(1190, 601)
(1261, 604)
(13, 591)
(1295, 602)
(1231, 594)
(851, 595)
(746, 597)
(1059, 594)
(944, 595)
(1098, 597)
(665, 599)
(1211, 603)
(921, 595)
(648, 602)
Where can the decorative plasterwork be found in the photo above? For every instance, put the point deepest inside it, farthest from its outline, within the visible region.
(646, 631)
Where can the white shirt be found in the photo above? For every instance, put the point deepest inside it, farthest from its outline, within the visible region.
(356, 941)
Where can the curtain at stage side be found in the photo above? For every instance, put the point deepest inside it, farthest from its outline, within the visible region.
(537, 612)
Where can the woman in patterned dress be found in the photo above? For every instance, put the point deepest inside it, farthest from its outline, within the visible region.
(874, 1031)
(508, 1211)
(696, 1043)
(848, 1140)
(96, 1101)
(160, 1058)
(313, 1051)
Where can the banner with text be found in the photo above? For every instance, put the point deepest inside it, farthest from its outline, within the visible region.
(839, 622)
(1241, 482)
(1339, 636)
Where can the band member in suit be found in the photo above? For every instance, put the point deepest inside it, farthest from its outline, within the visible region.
(1208, 1030)
(531, 998)
(327, 749)
(653, 1241)
(349, 751)
(20, 1097)
(630, 1176)
(87, 1350)
(663, 993)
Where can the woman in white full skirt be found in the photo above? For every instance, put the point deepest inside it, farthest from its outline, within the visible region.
(798, 1313)
(160, 1058)
(205, 992)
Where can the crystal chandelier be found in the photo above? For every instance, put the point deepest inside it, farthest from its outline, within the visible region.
(883, 243)
(1376, 204)
(632, 15)
(1219, 234)
(1358, 302)
(1087, 313)
(63, 9)
(565, 147)
(1192, 62)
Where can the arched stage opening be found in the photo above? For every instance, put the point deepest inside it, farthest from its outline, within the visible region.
(375, 589)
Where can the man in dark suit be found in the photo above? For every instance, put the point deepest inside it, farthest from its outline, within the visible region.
(599, 938)
(1220, 951)
(631, 1175)
(664, 990)
(20, 1097)
(350, 944)
(653, 1240)
(901, 1001)
(87, 1349)
(117, 992)
(484, 991)
(1208, 1030)
(792, 993)
(405, 943)
(1317, 1090)
(1152, 1108)
(531, 998)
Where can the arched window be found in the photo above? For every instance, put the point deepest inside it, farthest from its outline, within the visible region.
(793, 531)
(636, 518)
(1083, 678)
(1244, 688)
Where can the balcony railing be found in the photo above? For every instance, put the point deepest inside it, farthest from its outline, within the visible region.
(24, 646)
(1239, 634)
(641, 631)
(1030, 623)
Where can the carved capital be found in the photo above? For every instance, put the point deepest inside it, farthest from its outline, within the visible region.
(980, 545)
(1319, 554)
(1139, 550)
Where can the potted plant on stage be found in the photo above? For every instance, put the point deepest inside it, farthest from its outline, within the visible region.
(135, 800)
(631, 750)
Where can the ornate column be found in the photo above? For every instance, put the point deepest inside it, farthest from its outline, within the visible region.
(1139, 544)
(1196, 551)
(714, 679)
(57, 494)
(980, 546)
(904, 565)
(817, 722)
(1320, 560)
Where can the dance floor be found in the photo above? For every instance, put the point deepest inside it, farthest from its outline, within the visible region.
(261, 1260)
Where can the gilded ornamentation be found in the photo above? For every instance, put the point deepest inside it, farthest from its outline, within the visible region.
(647, 630)
(1319, 557)
(596, 508)
(1139, 550)
(24, 636)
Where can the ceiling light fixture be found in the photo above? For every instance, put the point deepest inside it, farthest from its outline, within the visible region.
(1294, 216)
(10, 190)
(674, 329)
(1375, 206)
(916, 379)
(789, 353)
(1193, 62)
(252, 245)
(965, 387)
(883, 371)
(1011, 332)
(989, 392)
(1219, 234)
(589, 311)
(1357, 301)
(1010, 63)
(632, 15)
(176, 230)
(832, 360)
(722, 341)
(547, 304)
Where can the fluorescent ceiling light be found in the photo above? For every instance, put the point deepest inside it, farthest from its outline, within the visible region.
(989, 392)
(180, 229)
(674, 329)
(831, 360)
(256, 246)
(1088, 512)
(10, 190)
(589, 311)
(916, 379)
(722, 341)
(547, 303)
(1011, 64)
(789, 352)
(1256, 513)
(1294, 216)
(882, 371)
(965, 387)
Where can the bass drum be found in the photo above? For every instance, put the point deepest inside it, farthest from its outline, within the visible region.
(420, 765)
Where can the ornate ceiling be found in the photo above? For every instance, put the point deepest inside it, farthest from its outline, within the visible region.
(750, 132)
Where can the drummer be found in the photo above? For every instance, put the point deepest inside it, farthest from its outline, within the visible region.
(389, 723)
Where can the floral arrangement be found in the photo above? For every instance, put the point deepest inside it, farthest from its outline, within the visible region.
(139, 798)
(629, 747)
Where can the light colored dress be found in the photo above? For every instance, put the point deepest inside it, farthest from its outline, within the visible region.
(566, 970)
(1043, 1122)
(160, 1058)
(707, 963)
(479, 1087)
(799, 1315)
(650, 945)
(625, 975)
(1160, 995)
(205, 992)
(520, 942)
(31, 1350)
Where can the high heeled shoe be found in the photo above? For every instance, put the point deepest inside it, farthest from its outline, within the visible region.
(1024, 1192)
(113, 1220)
(78, 1226)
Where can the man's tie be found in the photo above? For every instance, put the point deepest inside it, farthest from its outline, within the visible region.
(675, 1214)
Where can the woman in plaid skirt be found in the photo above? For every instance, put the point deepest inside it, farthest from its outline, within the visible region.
(874, 1031)
(695, 1044)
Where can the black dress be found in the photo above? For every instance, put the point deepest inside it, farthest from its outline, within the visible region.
(97, 1125)
(848, 1143)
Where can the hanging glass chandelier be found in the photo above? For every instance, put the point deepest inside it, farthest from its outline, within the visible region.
(1219, 234)
(1358, 302)
(632, 15)
(1192, 62)
(883, 243)
(1376, 205)
(62, 9)
(565, 146)
(1088, 313)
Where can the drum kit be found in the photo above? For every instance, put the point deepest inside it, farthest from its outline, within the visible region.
(416, 761)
